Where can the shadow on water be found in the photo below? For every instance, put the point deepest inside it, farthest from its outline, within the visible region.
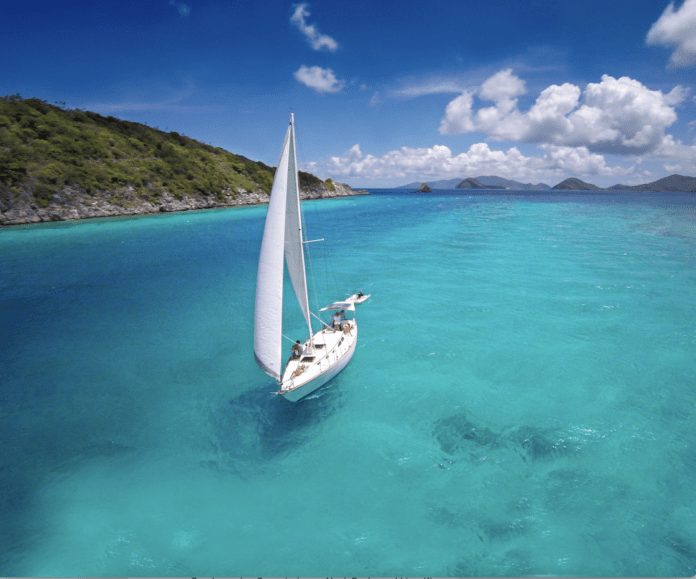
(256, 428)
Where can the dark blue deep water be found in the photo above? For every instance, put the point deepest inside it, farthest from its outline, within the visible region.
(522, 400)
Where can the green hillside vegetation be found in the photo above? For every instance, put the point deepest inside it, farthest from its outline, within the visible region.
(671, 184)
(471, 183)
(44, 148)
(575, 184)
(309, 181)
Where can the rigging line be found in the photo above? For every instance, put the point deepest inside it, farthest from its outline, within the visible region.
(305, 246)
(326, 266)
(318, 318)
(300, 150)
(311, 266)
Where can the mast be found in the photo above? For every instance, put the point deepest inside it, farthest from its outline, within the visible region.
(282, 242)
(294, 238)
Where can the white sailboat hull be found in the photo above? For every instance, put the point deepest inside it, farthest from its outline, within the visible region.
(338, 351)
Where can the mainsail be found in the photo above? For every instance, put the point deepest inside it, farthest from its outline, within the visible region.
(282, 240)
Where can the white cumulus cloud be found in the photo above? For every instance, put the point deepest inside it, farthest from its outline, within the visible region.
(676, 28)
(317, 40)
(320, 79)
(458, 115)
(577, 160)
(619, 116)
(502, 86)
(676, 150)
(438, 162)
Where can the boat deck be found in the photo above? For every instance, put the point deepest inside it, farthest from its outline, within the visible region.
(330, 347)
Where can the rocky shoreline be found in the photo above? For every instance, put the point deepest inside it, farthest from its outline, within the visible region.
(73, 203)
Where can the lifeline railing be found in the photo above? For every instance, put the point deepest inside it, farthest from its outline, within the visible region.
(325, 358)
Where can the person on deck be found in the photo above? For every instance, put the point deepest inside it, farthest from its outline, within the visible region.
(296, 350)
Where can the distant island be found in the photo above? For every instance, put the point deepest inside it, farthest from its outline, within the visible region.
(482, 182)
(671, 184)
(574, 184)
(472, 183)
(58, 164)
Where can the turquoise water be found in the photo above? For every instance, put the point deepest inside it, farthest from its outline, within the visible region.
(522, 400)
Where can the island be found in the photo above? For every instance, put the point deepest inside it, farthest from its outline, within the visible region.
(483, 181)
(574, 184)
(671, 184)
(58, 164)
(471, 183)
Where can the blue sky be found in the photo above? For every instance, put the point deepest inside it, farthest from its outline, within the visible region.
(384, 93)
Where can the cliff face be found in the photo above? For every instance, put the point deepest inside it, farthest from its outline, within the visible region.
(73, 203)
(324, 191)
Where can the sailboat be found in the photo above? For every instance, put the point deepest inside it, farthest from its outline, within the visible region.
(325, 353)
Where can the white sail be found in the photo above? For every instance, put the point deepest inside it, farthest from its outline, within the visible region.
(268, 317)
(329, 350)
(294, 253)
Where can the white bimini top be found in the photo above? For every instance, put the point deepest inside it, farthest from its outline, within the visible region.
(350, 306)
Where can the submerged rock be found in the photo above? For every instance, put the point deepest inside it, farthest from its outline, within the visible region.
(456, 435)
(533, 443)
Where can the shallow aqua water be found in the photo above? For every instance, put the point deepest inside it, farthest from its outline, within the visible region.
(522, 400)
